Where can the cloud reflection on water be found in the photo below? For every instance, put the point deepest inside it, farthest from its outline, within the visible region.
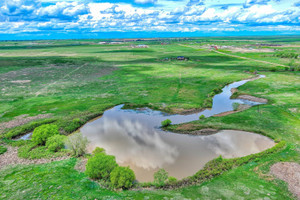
(131, 142)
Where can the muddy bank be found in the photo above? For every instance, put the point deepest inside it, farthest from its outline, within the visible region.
(240, 108)
(10, 157)
(171, 111)
(21, 120)
(206, 131)
(290, 173)
(252, 98)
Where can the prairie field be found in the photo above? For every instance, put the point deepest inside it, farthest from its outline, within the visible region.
(69, 82)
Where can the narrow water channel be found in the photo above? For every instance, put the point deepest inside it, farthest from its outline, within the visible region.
(134, 137)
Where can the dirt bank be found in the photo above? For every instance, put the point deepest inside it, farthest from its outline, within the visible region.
(240, 108)
(191, 129)
(21, 120)
(10, 157)
(252, 98)
(290, 173)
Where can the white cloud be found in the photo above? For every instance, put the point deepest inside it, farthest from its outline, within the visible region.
(188, 15)
(145, 1)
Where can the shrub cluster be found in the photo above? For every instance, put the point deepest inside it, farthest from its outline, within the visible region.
(160, 177)
(98, 150)
(201, 117)
(166, 123)
(171, 180)
(70, 126)
(235, 106)
(55, 143)
(26, 128)
(105, 167)
(77, 143)
(46, 140)
(43, 132)
(122, 177)
(100, 166)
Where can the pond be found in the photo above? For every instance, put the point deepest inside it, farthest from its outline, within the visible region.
(134, 137)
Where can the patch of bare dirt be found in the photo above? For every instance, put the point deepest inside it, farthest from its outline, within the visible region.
(10, 157)
(189, 129)
(252, 98)
(290, 173)
(240, 108)
(206, 131)
(185, 127)
(233, 90)
(21, 120)
(225, 113)
(21, 81)
(248, 50)
(295, 110)
(183, 111)
(80, 165)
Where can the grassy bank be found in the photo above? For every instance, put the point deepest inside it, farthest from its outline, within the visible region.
(60, 180)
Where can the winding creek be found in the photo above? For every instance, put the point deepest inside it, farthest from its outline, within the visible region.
(134, 137)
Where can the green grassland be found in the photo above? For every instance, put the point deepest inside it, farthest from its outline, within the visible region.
(72, 79)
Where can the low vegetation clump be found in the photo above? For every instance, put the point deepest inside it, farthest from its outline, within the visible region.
(26, 128)
(70, 126)
(122, 177)
(98, 150)
(77, 143)
(31, 150)
(201, 117)
(171, 180)
(287, 55)
(55, 143)
(166, 123)
(2, 150)
(160, 177)
(235, 106)
(43, 132)
(100, 166)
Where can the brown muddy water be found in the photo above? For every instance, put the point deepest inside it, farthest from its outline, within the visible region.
(135, 139)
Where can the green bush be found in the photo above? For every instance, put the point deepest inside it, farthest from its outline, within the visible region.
(166, 123)
(32, 151)
(122, 177)
(73, 125)
(2, 150)
(98, 150)
(201, 117)
(77, 143)
(160, 176)
(235, 106)
(26, 128)
(172, 180)
(43, 132)
(55, 143)
(100, 166)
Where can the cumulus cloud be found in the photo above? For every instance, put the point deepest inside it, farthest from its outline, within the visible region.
(255, 2)
(63, 11)
(193, 15)
(195, 2)
(145, 1)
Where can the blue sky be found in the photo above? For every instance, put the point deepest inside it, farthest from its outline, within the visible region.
(61, 19)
